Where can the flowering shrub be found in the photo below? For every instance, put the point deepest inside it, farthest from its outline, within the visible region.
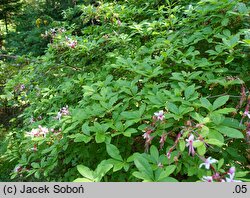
(145, 93)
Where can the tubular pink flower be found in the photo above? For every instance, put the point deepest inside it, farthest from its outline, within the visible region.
(189, 144)
(72, 44)
(169, 155)
(162, 140)
(231, 173)
(231, 178)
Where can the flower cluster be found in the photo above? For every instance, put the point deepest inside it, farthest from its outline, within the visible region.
(217, 176)
(62, 112)
(175, 144)
(18, 168)
(71, 43)
(39, 132)
(52, 32)
(158, 116)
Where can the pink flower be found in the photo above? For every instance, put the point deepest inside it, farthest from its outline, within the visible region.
(33, 133)
(189, 144)
(43, 130)
(119, 22)
(216, 176)
(231, 179)
(162, 140)
(59, 115)
(159, 115)
(72, 44)
(169, 155)
(208, 162)
(146, 135)
(207, 178)
(18, 169)
(246, 113)
(231, 170)
(62, 112)
(231, 173)
(40, 131)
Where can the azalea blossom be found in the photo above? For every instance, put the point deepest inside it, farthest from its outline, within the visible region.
(189, 144)
(62, 112)
(72, 44)
(148, 143)
(162, 140)
(208, 162)
(246, 113)
(159, 115)
(207, 178)
(216, 176)
(59, 115)
(231, 173)
(40, 131)
(169, 155)
(231, 178)
(43, 130)
(146, 135)
(18, 168)
(33, 133)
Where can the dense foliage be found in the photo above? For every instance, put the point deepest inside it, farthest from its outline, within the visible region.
(131, 91)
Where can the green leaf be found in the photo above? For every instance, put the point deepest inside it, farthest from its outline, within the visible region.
(216, 118)
(102, 169)
(213, 134)
(142, 176)
(168, 179)
(168, 170)
(113, 152)
(229, 60)
(85, 171)
(182, 145)
(189, 91)
(197, 143)
(225, 110)
(129, 131)
(82, 180)
(224, 22)
(220, 102)
(205, 103)
(100, 137)
(220, 163)
(82, 138)
(86, 129)
(230, 132)
(154, 153)
(35, 165)
(201, 150)
(173, 108)
(117, 165)
(143, 166)
(215, 142)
